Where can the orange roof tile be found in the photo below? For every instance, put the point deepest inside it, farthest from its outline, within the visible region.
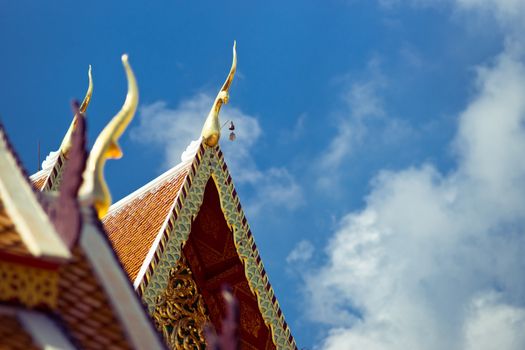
(10, 240)
(133, 226)
(85, 309)
(14, 336)
(38, 182)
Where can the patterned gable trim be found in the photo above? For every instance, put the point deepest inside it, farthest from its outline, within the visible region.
(209, 162)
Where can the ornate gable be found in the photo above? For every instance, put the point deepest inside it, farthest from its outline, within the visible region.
(209, 171)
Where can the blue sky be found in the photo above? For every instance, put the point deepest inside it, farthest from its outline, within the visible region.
(379, 150)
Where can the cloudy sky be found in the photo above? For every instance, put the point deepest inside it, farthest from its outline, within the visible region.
(379, 154)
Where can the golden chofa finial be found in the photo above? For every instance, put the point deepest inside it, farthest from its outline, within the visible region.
(106, 147)
(66, 142)
(211, 131)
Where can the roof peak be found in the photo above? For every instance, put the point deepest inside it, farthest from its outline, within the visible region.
(186, 159)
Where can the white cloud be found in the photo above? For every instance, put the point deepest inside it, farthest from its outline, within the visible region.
(302, 252)
(361, 122)
(508, 14)
(298, 128)
(505, 11)
(276, 187)
(173, 129)
(493, 325)
(361, 102)
(418, 266)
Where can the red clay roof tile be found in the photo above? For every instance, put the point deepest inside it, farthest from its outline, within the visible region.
(10, 240)
(38, 182)
(85, 309)
(14, 336)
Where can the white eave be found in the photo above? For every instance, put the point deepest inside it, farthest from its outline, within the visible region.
(116, 284)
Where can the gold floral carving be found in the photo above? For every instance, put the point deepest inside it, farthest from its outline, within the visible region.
(180, 313)
(30, 286)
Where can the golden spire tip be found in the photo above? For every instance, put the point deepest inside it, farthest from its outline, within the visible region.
(65, 146)
(89, 93)
(211, 131)
(106, 147)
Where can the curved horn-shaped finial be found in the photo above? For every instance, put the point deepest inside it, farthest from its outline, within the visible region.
(211, 131)
(106, 147)
(85, 103)
(65, 146)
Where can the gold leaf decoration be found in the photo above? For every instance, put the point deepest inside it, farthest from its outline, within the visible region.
(180, 313)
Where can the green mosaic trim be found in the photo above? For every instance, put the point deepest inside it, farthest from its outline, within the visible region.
(209, 162)
(155, 280)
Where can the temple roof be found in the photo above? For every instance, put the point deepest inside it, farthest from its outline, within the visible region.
(143, 225)
(80, 295)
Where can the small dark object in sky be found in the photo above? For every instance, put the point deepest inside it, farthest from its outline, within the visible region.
(232, 134)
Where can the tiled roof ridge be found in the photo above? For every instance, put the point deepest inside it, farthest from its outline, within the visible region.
(186, 161)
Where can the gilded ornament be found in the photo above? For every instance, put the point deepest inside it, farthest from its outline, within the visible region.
(211, 131)
(29, 285)
(180, 313)
(66, 142)
(106, 147)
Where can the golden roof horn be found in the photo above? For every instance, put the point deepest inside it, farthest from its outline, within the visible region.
(106, 147)
(66, 142)
(211, 131)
